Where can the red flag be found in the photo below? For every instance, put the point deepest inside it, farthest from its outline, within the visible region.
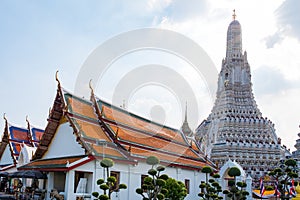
(292, 189)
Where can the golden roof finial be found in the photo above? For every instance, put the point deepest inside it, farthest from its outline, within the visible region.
(233, 15)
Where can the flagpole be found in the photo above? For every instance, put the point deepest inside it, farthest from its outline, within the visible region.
(261, 188)
(276, 189)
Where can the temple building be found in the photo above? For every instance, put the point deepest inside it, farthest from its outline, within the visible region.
(236, 129)
(18, 145)
(81, 132)
(296, 153)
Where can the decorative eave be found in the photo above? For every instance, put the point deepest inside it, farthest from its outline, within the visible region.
(5, 142)
(55, 115)
(99, 115)
(5, 138)
(76, 132)
(8, 167)
(29, 132)
(102, 124)
(57, 164)
(79, 138)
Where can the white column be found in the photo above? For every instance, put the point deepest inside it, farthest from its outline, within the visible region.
(249, 187)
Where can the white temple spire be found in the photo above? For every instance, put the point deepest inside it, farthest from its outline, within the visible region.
(185, 117)
(235, 127)
(234, 38)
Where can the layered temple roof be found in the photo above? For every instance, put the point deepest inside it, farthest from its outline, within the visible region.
(14, 138)
(106, 130)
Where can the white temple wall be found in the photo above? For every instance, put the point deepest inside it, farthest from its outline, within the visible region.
(129, 175)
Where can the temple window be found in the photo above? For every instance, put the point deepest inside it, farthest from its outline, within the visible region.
(187, 185)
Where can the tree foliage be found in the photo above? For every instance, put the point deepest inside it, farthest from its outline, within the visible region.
(110, 185)
(159, 186)
(210, 189)
(236, 190)
(175, 189)
(284, 175)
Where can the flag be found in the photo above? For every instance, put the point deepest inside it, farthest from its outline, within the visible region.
(276, 193)
(261, 187)
(292, 189)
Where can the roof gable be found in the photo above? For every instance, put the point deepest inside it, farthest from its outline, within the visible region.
(86, 131)
(55, 115)
(6, 158)
(58, 147)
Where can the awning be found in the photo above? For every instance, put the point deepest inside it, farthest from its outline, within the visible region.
(34, 174)
(57, 164)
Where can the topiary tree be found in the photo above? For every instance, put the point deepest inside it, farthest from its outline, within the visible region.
(284, 175)
(175, 189)
(154, 186)
(236, 189)
(211, 188)
(110, 185)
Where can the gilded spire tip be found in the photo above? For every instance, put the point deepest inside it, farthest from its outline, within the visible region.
(233, 15)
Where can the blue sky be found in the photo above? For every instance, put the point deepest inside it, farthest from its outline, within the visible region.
(39, 37)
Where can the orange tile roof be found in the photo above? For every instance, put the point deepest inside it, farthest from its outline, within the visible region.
(168, 158)
(81, 107)
(153, 142)
(107, 151)
(90, 129)
(59, 161)
(140, 123)
(194, 145)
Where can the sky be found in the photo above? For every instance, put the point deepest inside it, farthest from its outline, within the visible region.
(40, 37)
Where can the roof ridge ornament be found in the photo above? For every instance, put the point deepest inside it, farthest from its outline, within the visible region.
(27, 119)
(56, 78)
(90, 86)
(233, 15)
(4, 117)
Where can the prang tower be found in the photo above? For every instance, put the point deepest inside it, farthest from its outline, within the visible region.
(235, 129)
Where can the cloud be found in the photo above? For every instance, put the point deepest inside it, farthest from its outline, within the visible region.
(268, 80)
(288, 18)
(283, 110)
(288, 23)
(277, 98)
(179, 11)
(273, 39)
